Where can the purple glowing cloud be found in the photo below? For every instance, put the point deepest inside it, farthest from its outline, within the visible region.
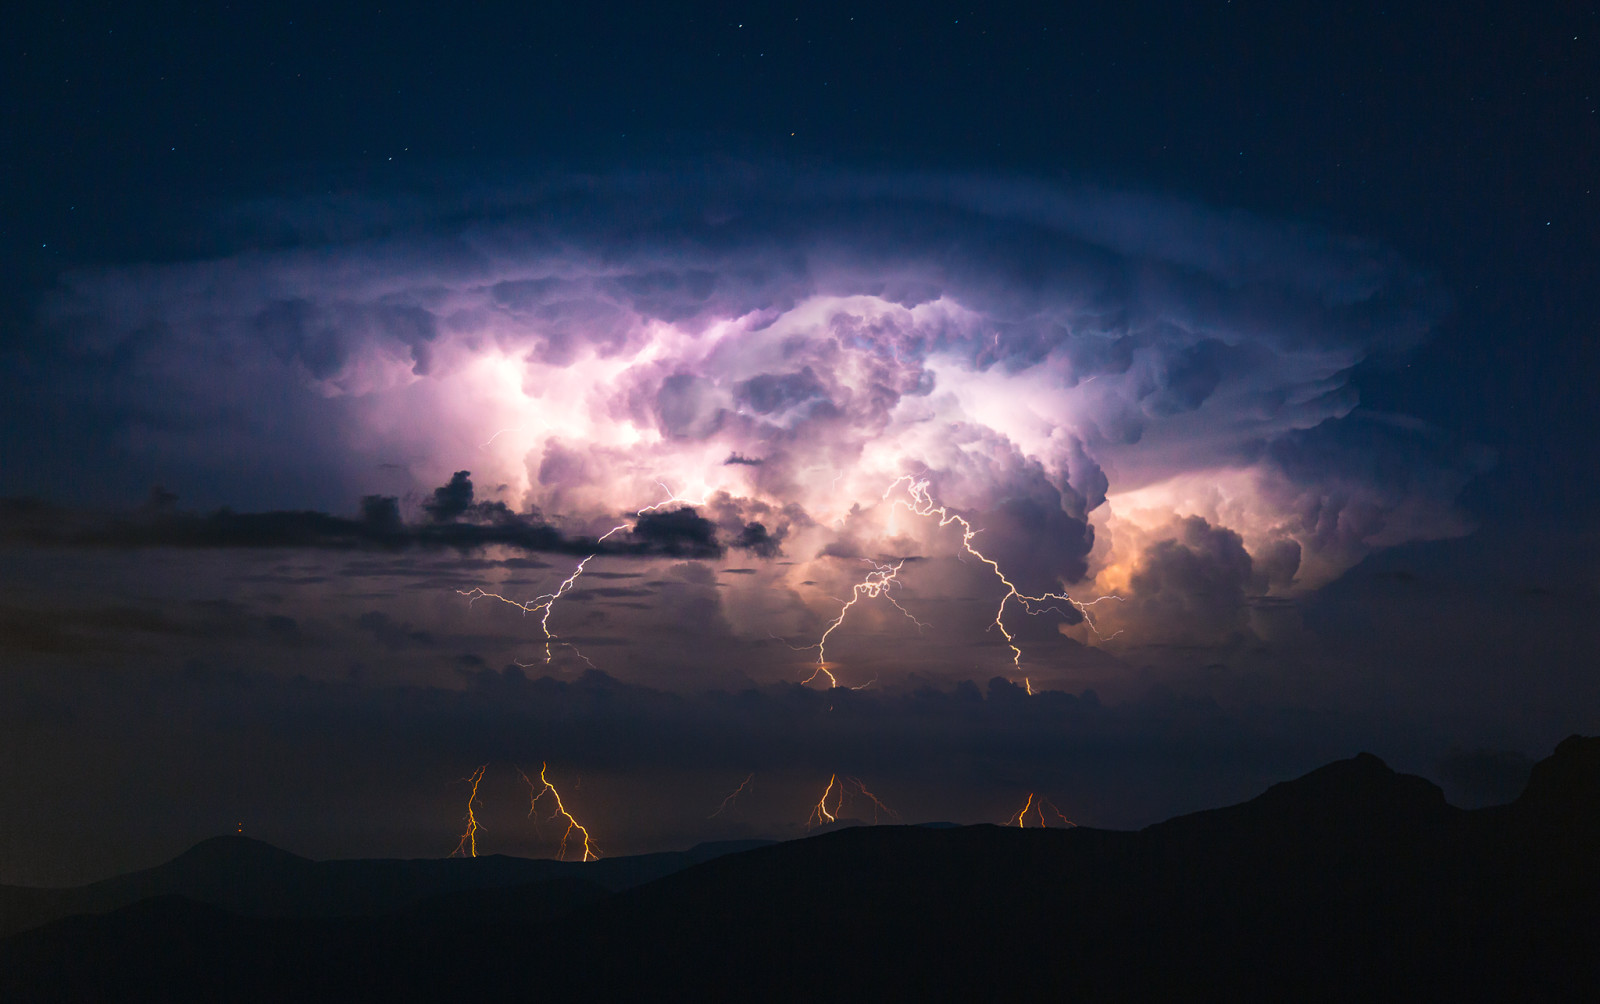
(1125, 394)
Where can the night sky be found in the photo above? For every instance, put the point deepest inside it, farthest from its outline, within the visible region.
(1179, 396)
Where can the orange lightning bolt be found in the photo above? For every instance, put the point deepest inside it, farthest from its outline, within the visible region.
(468, 846)
(1020, 817)
(921, 503)
(1059, 814)
(545, 605)
(821, 814)
(732, 797)
(546, 788)
(877, 803)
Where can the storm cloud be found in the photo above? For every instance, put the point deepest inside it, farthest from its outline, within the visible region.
(1085, 375)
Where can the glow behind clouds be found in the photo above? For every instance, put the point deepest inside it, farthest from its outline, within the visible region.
(1125, 394)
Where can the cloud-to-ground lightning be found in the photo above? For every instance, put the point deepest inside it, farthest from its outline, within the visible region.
(819, 812)
(468, 845)
(921, 503)
(877, 803)
(543, 788)
(544, 605)
(733, 796)
(1036, 808)
(822, 815)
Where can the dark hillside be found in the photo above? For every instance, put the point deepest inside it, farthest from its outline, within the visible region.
(1352, 882)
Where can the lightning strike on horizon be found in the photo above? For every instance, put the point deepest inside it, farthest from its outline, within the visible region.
(822, 815)
(732, 796)
(1059, 814)
(1020, 817)
(589, 852)
(819, 812)
(877, 803)
(468, 846)
(922, 504)
(544, 605)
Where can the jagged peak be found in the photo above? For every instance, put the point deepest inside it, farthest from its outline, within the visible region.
(1363, 780)
(1567, 782)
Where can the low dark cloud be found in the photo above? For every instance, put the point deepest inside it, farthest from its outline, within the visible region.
(755, 539)
(454, 520)
(452, 500)
(36, 523)
(679, 532)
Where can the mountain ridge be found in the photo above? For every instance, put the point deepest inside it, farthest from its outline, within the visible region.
(1352, 880)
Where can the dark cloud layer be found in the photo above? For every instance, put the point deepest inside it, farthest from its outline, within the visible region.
(453, 520)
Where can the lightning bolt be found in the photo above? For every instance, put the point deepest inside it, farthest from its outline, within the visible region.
(468, 846)
(1059, 814)
(544, 605)
(877, 803)
(497, 435)
(1020, 817)
(922, 504)
(821, 814)
(877, 583)
(546, 788)
(732, 797)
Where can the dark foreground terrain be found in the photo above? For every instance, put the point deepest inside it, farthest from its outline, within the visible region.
(1352, 882)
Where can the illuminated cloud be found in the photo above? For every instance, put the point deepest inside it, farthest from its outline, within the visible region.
(1124, 393)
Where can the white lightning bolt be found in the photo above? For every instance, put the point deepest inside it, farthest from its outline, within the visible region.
(922, 504)
(544, 605)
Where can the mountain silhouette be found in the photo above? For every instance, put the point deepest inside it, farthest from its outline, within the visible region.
(1352, 882)
(256, 879)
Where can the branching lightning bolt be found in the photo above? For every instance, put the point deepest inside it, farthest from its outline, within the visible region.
(877, 803)
(733, 796)
(468, 846)
(544, 788)
(1059, 814)
(822, 815)
(921, 503)
(877, 583)
(1020, 817)
(545, 605)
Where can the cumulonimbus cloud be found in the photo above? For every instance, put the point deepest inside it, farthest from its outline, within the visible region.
(1125, 393)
